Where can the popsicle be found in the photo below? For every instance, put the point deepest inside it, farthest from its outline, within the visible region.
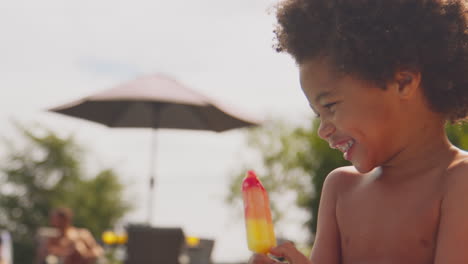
(259, 227)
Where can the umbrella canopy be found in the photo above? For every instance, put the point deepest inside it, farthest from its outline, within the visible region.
(156, 101)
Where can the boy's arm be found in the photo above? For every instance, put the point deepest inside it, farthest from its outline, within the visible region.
(327, 245)
(453, 228)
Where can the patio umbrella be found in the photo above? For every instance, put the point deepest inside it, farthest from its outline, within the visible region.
(156, 101)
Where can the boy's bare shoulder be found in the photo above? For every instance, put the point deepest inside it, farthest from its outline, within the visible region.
(452, 231)
(343, 178)
(457, 172)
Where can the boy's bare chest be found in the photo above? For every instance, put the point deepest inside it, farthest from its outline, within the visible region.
(389, 224)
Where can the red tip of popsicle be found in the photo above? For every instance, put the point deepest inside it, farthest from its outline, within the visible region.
(251, 173)
(251, 180)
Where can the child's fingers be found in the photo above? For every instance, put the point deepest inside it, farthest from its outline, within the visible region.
(284, 248)
(290, 253)
(261, 259)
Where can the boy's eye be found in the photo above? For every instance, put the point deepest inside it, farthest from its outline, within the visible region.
(330, 105)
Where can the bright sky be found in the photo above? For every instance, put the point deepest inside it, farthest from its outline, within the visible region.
(53, 51)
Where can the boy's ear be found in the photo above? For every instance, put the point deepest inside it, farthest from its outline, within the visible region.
(406, 83)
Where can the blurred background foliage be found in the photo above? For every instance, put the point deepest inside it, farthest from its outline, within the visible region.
(295, 159)
(46, 172)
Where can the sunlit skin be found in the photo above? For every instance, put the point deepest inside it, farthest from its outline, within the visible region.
(403, 199)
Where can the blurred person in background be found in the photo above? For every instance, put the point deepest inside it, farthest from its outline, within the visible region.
(70, 245)
(2, 258)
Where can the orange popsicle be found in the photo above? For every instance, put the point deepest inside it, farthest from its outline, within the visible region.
(260, 233)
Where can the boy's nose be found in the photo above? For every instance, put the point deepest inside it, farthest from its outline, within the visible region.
(325, 129)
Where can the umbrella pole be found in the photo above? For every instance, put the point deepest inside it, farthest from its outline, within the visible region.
(152, 177)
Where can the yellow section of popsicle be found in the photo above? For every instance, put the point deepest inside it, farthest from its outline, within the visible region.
(260, 235)
(259, 226)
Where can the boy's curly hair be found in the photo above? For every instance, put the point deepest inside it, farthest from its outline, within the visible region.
(372, 39)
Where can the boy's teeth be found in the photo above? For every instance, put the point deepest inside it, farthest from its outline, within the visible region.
(345, 147)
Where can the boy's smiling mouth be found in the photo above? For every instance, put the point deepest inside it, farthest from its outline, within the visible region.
(343, 146)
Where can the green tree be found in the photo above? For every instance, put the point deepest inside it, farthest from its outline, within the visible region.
(98, 203)
(458, 134)
(297, 159)
(47, 173)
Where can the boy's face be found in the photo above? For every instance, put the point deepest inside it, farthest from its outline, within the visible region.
(357, 117)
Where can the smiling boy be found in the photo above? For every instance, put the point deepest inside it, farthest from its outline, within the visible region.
(383, 77)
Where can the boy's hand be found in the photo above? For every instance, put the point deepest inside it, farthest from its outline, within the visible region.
(261, 259)
(286, 250)
(289, 251)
